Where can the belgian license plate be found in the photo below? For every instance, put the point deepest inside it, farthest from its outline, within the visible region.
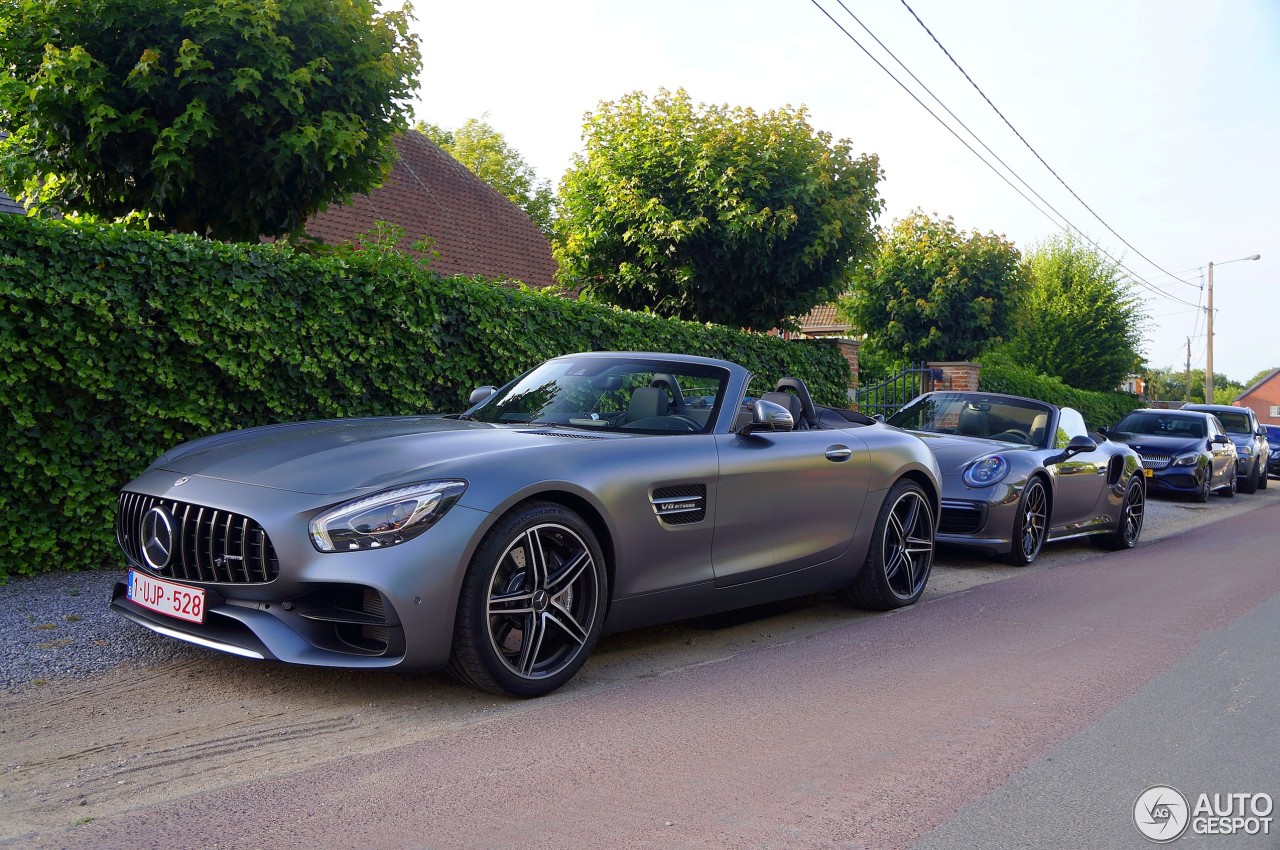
(165, 597)
(1148, 472)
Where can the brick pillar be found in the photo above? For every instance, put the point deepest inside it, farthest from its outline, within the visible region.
(961, 377)
(849, 348)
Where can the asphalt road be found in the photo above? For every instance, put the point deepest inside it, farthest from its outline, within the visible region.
(1027, 712)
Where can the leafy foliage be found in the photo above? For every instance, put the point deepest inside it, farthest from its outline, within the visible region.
(934, 293)
(1000, 374)
(225, 118)
(1079, 319)
(486, 154)
(713, 213)
(1171, 385)
(117, 344)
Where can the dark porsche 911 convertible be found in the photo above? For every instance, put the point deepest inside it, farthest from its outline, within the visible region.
(1018, 472)
(596, 492)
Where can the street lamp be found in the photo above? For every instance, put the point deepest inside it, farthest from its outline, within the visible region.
(1208, 360)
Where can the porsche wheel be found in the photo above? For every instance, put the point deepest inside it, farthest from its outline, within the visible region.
(901, 552)
(1030, 525)
(532, 603)
(1129, 527)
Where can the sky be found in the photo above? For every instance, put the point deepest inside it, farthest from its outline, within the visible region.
(1162, 116)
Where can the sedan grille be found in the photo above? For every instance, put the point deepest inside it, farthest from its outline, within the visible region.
(1154, 461)
(208, 545)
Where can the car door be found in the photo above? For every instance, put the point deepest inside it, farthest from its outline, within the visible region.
(785, 501)
(1080, 479)
(1223, 454)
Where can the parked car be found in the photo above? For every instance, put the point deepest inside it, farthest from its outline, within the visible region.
(1273, 443)
(1017, 472)
(1253, 453)
(597, 492)
(1183, 451)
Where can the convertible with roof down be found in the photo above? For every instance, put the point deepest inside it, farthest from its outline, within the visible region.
(597, 492)
(1017, 473)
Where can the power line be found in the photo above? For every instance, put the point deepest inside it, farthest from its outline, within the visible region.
(1065, 224)
(1009, 124)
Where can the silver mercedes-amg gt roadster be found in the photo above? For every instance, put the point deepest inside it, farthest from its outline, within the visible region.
(597, 492)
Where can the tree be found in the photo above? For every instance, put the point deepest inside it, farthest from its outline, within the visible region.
(933, 293)
(486, 154)
(226, 118)
(1170, 384)
(713, 213)
(1080, 320)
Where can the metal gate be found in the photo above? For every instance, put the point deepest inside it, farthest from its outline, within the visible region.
(892, 394)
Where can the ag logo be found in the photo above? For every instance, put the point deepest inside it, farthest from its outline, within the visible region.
(1161, 813)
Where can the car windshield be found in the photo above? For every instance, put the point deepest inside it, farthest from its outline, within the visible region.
(976, 415)
(1234, 423)
(612, 393)
(1159, 424)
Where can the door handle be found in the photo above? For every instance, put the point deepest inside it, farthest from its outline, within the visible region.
(838, 453)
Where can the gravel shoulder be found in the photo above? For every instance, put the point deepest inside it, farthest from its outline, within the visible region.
(100, 716)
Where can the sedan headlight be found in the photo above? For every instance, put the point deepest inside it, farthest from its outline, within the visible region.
(990, 470)
(1245, 451)
(386, 518)
(1186, 460)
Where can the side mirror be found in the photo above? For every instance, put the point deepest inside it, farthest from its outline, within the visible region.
(1262, 432)
(1076, 445)
(1220, 440)
(1105, 431)
(879, 417)
(767, 416)
(480, 394)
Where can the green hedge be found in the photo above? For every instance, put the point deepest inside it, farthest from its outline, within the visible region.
(1000, 375)
(116, 344)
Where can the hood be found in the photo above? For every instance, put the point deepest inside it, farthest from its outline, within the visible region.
(953, 451)
(1154, 443)
(338, 455)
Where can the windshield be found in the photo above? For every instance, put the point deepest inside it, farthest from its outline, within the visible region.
(1234, 423)
(1162, 425)
(612, 393)
(976, 415)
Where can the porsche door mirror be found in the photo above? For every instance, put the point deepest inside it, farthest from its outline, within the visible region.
(767, 416)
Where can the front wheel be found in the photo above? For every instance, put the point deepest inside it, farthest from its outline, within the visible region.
(901, 552)
(1251, 481)
(1129, 526)
(1262, 476)
(1030, 525)
(532, 603)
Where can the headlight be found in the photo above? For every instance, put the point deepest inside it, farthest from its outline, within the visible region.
(990, 470)
(386, 518)
(1245, 451)
(1186, 460)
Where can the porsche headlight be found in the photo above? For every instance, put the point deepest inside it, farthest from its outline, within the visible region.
(1190, 459)
(386, 518)
(990, 470)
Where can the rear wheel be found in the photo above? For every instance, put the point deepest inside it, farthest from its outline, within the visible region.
(532, 603)
(901, 552)
(1031, 525)
(1129, 527)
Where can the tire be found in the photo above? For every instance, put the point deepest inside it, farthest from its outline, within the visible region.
(1030, 525)
(1230, 490)
(1262, 476)
(900, 556)
(532, 603)
(1202, 495)
(1250, 484)
(1132, 513)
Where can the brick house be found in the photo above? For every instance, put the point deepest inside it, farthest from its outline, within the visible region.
(1263, 398)
(476, 230)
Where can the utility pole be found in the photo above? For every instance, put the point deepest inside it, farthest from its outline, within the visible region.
(1208, 358)
(1186, 387)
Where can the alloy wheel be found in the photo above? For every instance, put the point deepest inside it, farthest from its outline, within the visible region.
(542, 601)
(907, 546)
(1035, 511)
(1134, 510)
